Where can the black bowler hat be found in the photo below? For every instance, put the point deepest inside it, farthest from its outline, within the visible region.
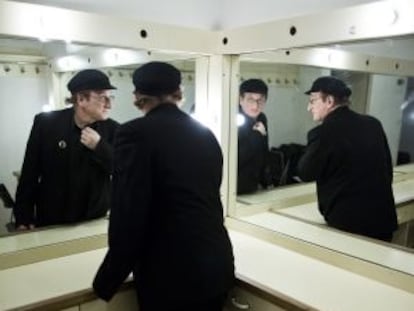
(331, 86)
(253, 86)
(89, 79)
(156, 79)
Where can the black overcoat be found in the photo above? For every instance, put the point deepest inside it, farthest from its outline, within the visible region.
(47, 191)
(252, 151)
(166, 221)
(349, 157)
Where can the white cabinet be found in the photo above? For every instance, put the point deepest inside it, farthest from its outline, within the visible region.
(242, 297)
(249, 298)
(123, 300)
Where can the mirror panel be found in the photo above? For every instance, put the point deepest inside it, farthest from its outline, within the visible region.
(33, 78)
(290, 207)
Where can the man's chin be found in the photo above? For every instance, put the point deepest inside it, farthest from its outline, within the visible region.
(254, 115)
(104, 116)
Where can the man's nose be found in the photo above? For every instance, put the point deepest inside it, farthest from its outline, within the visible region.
(108, 104)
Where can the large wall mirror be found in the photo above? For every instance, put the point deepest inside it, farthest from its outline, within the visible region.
(382, 86)
(41, 48)
(33, 78)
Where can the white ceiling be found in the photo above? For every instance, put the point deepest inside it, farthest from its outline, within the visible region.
(206, 14)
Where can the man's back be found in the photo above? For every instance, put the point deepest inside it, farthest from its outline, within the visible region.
(353, 169)
(175, 166)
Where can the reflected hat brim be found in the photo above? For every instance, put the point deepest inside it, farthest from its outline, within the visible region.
(89, 79)
(331, 86)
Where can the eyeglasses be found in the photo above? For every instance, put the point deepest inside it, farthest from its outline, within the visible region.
(104, 98)
(312, 100)
(258, 101)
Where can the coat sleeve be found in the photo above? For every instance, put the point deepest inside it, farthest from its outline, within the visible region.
(311, 164)
(265, 177)
(29, 177)
(131, 196)
(388, 160)
(103, 153)
(249, 142)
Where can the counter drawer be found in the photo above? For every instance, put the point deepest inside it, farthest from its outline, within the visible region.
(247, 297)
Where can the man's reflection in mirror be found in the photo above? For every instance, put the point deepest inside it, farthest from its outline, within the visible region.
(349, 157)
(253, 142)
(65, 176)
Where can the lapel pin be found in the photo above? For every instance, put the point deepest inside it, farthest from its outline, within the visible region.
(62, 144)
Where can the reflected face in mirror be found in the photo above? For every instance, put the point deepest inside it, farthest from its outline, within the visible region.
(320, 105)
(252, 104)
(95, 105)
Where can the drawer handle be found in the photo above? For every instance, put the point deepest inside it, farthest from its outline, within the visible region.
(238, 305)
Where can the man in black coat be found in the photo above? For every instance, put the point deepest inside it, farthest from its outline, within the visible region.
(349, 157)
(65, 176)
(166, 221)
(253, 142)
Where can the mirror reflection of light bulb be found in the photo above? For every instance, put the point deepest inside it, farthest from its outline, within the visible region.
(391, 17)
(385, 15)
(240, 119)
(42, 30)
(330, 58)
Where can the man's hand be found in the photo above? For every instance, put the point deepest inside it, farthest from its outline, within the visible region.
(259, 126)
(90, 138)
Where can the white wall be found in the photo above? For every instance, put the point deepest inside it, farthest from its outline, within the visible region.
(407, 129)
(386, 97)
(21, 97)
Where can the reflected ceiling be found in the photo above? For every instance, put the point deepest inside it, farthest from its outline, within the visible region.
(401, 48)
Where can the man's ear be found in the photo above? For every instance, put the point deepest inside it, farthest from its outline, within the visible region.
(331, 100)
(81, 98)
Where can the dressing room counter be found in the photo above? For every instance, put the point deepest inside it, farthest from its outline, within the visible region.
(354, 245)
(51, 235)
(300, 201)
(405, 168)
(303, 283)
(30, 246)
